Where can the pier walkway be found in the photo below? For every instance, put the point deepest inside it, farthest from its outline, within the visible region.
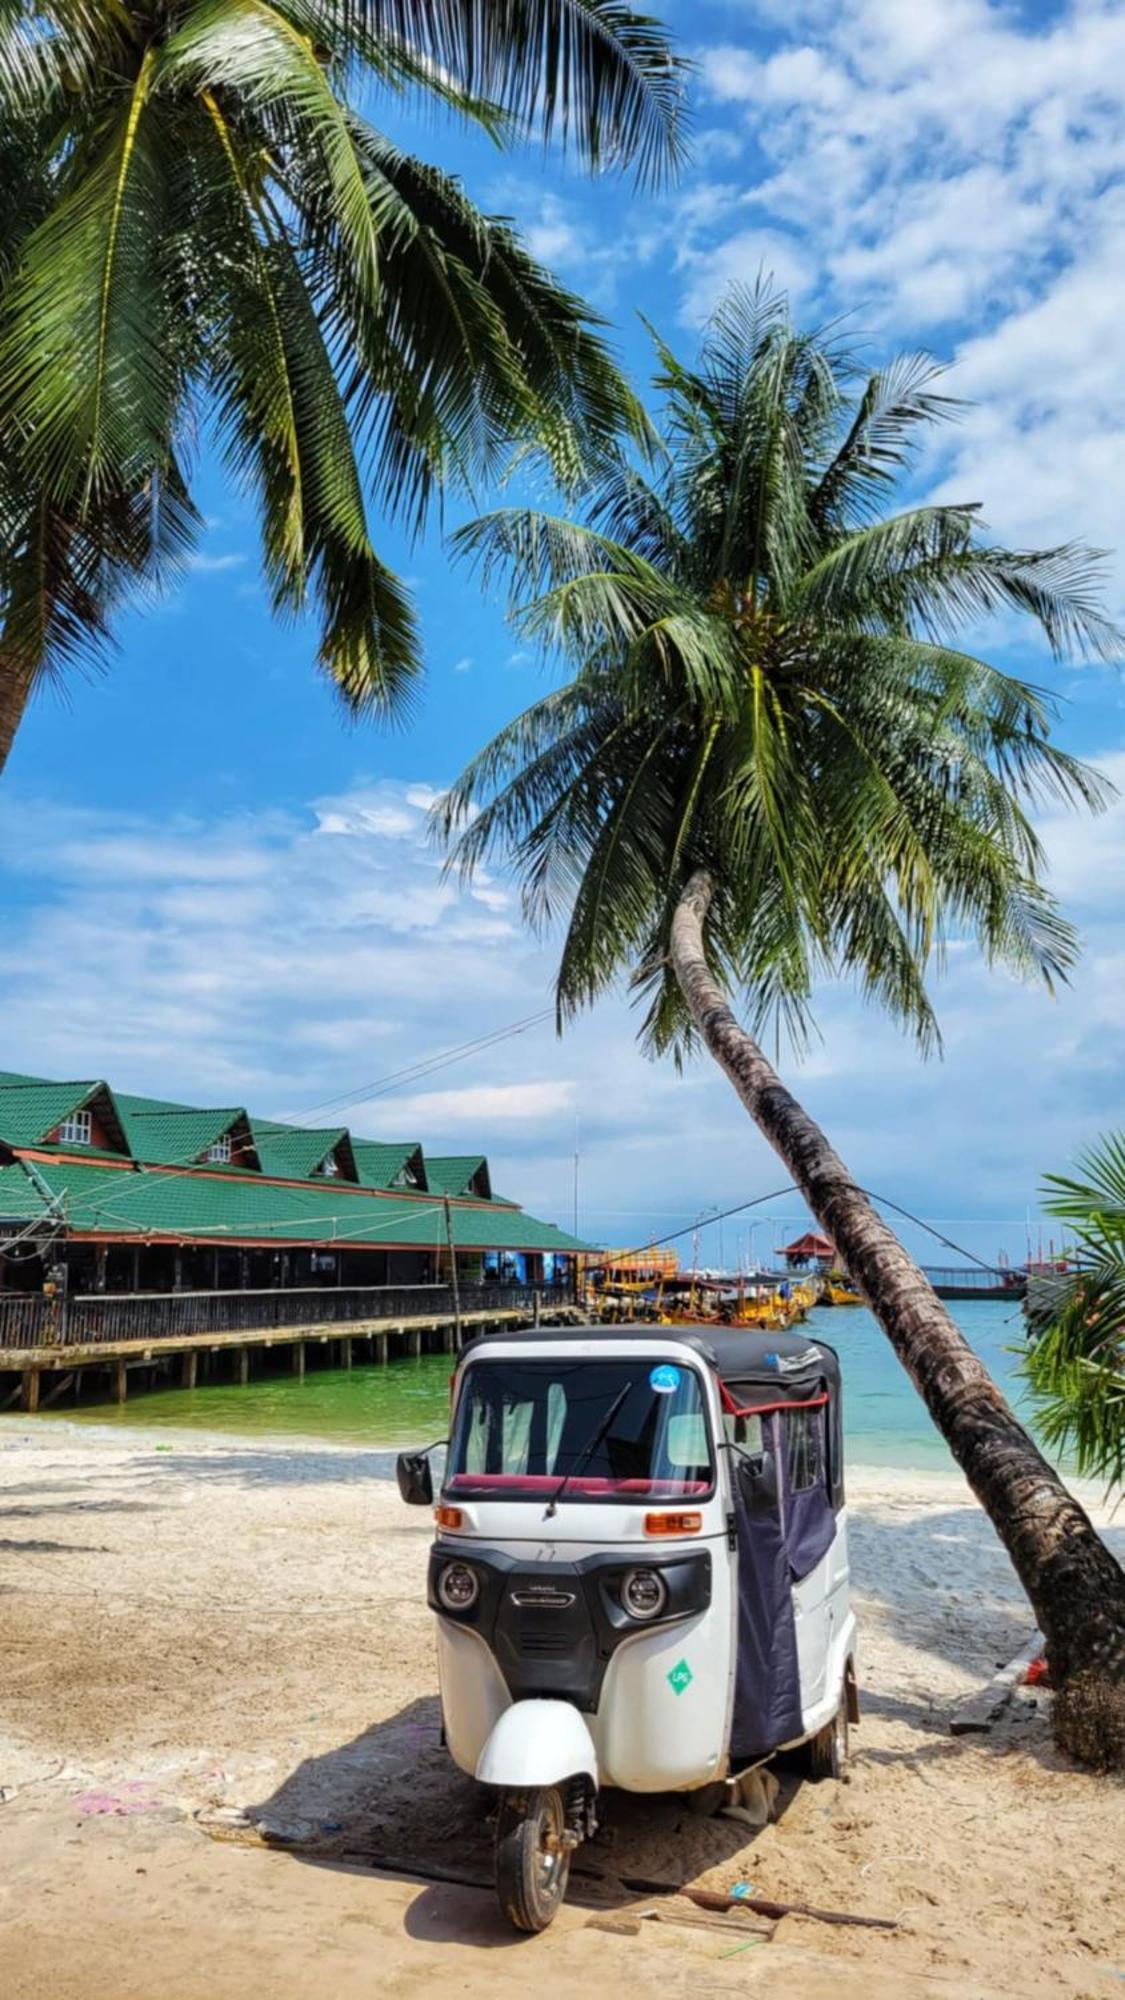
(37, 1375)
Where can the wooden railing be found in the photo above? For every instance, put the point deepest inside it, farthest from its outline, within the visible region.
(30, 1320)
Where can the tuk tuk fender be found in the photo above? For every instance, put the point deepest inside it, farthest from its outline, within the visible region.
(538, 1743)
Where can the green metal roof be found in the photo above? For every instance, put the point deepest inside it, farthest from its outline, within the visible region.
(380, 1164)
(454, 1173)
(238, 1201)
(172, 1135)
(20, 1199)
(240, 1207)
(30, 1107)
(294, 1152)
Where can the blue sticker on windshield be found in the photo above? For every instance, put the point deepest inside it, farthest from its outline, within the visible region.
(665, 1379)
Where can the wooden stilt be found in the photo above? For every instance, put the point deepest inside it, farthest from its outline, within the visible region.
(414, 1340)
(58, 1388)
(29, 1391)
(345, 1354)
(451, 1340)
(244, 1365)
(190, 1369)
(120, 1384)
(298, 1357)
(381, 1348)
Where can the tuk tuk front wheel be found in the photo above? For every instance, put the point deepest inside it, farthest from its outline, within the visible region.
(826, 1753)
(532, 1856)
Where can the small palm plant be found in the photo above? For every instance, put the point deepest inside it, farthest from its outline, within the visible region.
(1075, 1358)
(203, 232)
(776, 762)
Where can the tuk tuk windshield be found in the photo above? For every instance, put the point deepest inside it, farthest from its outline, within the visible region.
(623, 1429)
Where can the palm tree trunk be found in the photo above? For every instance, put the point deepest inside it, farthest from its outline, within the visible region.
(1075, 1586)
(17, 675)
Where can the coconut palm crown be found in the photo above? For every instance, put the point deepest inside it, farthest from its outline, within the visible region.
(770, 686)
(203, 231)
(1075, 1358)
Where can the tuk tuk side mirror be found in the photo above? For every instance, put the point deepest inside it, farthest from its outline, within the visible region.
(415, 1479)
(757, 1478)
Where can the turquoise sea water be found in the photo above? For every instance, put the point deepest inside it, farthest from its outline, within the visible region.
(406, 1402)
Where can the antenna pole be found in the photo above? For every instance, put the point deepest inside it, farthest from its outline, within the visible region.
(453, 1279)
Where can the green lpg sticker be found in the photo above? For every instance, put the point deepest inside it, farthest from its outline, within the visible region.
(680, 1678)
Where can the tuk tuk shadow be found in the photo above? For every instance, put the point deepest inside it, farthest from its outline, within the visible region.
(392, 1800)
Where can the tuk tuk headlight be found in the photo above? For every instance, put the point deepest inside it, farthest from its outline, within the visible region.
(644, 1593)
(458, 1587)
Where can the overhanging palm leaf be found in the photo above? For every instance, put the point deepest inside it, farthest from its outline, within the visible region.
(1075, 1360)
(206, 229)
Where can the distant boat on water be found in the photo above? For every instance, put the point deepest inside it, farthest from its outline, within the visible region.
(966, 1282)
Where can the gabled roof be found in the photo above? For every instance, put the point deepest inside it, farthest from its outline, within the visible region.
(177, 1135)
(384, 1165)
(31, 1108)
(459, 1173)
(294, 1152)
(811, 1244)
(216, 1207)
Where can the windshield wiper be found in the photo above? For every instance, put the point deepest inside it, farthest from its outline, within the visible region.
(587, 1452)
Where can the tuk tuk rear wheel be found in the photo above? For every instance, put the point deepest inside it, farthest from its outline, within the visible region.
(826, 1753)
(532, 1857)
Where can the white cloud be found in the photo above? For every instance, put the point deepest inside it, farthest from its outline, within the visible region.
(554, 236)
(205, 565)
(741, 259)
(294, 968)
(482, 1105)
(463, 665)
(951, 174)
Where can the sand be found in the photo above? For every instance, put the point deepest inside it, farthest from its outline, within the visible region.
(193, 1627)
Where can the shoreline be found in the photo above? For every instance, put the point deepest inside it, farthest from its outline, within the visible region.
(864, 1478)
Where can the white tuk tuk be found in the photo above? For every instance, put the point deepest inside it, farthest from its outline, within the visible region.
(640, 1574)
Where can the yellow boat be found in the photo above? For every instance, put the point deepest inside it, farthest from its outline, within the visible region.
(839, 1293)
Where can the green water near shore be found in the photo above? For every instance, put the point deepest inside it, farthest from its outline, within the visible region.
(406, 1402)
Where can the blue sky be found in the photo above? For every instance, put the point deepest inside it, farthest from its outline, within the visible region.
(215, 887)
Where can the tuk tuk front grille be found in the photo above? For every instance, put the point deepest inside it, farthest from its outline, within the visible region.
(545, 1645)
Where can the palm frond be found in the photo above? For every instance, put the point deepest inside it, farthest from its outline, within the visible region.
(767, 687)
(91, 360)
(590, 73)
(1074, 1358)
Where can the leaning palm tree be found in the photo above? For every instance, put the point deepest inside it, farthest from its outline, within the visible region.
(205, 232)
(775, 763)
(1075, 1360)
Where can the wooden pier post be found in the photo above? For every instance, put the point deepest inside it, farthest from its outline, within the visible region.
(381, 1348)
(58, 1388)
(244, 1365)
(29, 1391)
(298, 1357)
(414, 1340)
(346, 1353)
(190, 1371)
(120, 1381)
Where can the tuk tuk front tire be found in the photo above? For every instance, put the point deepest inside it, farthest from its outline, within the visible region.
(826, 1753)
(532, 1857)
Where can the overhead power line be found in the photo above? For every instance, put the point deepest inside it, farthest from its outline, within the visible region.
(414, 1072)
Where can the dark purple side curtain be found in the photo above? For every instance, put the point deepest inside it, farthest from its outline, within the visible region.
(767, 1693)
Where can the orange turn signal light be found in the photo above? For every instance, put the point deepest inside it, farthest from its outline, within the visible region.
(673, 1524)
(449, 1517)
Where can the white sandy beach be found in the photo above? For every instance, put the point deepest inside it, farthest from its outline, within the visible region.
(191, 1623)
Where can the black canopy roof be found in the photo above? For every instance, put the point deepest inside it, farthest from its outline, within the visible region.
(790, 1364)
